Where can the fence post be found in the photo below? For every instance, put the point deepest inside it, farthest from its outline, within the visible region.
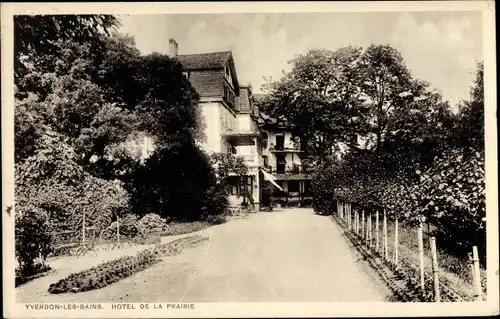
(363, 224)
(367, 230)
(376, 232)
(386, 246)
(370, 232)
(351, 217)
(477, 271)
(435, 270)
(118, 228)
(346, 215)
(357, 221)
(421, 254)
(354, 220)
(396, 244)
(349, 213)
(83, 227)
(473, 273)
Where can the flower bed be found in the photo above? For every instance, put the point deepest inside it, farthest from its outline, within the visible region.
(175, 247)
(112, 271)
(104, 274)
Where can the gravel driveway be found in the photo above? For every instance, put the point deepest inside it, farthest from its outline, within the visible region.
(288, 255)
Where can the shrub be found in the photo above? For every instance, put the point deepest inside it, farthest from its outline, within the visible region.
(177, 182)
(216, 219)
(151, 223)
(128, 227)
(39, 270)
(215, 202)
(32, 239)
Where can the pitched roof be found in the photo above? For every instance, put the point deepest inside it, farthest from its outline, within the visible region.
(203, 61)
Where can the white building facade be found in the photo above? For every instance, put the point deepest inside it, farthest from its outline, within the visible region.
(229, 118)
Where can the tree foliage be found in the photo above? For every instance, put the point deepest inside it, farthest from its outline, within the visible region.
(52, 181)
(443, 181)
(32, 239)
(363, 99)
(35, 35)
(470, 128)
(228, 164)
(319, 99)
(178, 183)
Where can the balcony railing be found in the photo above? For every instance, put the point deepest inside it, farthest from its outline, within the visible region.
(285, 148)
(242, 132)
(294, 169)
(253, 160)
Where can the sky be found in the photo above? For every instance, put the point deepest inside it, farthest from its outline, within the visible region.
(439, 47)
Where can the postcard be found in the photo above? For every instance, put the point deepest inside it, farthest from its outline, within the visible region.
(249, 159)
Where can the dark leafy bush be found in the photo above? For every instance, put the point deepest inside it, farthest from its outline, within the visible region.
(128, 227)
(39, 270)
(32, 239)
(152, 224)
(179, 183)
(216, 219)
(450, 194)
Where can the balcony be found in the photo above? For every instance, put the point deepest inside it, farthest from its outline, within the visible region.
(284, 148)
(254, 160)
(236, 135)
(294, 172)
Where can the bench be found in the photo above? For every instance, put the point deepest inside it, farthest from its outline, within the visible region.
(65, 248)
(75, 249)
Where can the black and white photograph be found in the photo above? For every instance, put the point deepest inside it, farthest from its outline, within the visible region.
(168, 162)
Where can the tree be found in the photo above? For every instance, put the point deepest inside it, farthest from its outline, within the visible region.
(78, 99)
(35, 35)
(319, 99)
(169, 105)
(228, 165)
(387, 87)
(470, 128)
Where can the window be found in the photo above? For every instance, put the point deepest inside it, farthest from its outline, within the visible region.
(231, 149)
(238, 184)
(186, 75)
(280, 142)
(293, 186)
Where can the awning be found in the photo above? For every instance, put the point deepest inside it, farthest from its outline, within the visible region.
(271, 178)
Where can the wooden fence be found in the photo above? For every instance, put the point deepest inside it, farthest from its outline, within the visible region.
(373, 234)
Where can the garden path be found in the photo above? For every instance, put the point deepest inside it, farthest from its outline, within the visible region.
(288, 255)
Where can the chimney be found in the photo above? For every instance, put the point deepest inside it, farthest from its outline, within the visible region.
(173, 48)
